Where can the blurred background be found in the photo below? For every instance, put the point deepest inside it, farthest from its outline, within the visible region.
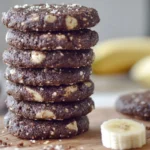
(124, 21)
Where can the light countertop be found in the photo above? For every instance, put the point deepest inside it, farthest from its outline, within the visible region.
(108, 88)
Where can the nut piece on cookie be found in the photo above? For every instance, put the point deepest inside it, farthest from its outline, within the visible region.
(37, 57)
(50, 18)
(36, 95)
(69, 90)
(71, 22)
(72, 126)
(34, 17)
(88, 84)
(45, 114)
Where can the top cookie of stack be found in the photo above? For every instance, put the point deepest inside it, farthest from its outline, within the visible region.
(45, 17)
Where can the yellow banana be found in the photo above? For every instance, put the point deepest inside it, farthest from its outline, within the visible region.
(118, 56)
(140, 72)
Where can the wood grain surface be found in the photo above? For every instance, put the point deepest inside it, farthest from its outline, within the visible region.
(88, 141)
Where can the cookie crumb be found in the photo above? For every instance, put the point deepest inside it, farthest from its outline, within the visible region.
(21, 144)
(33, 141)
(52, 147)
(3, 131)
(46, 142)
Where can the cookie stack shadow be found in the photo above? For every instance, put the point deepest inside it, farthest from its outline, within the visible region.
(49, 67)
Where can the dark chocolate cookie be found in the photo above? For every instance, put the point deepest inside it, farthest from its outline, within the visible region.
(51, 59)
(47, 77)
(73, 40)
(49, 111)
(45, 129)
(63, 93)
(135, 105)
(50, 17)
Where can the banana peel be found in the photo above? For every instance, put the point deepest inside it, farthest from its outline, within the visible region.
(140, 72)
(119, 55)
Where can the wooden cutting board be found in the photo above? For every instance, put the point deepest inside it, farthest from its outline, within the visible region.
(88, 141)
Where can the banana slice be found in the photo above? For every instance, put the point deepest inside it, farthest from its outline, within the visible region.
(123, 134)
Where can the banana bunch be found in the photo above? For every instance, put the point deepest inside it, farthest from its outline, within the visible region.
(118, 56)
(123, 134)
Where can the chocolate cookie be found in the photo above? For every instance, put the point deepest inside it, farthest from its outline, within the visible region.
(51, 59)
(63, 93)
(47, 77)
(73, 40)
(50, 111)
(50, 17)
(45, 129)
(135, 105)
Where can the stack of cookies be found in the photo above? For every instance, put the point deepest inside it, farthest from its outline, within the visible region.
(49, 67)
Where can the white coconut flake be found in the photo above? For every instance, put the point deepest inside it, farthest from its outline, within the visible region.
(16, 6)
(47, 5)
(53, 11)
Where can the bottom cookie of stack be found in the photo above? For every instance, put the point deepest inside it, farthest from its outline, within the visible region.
(45, 129)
